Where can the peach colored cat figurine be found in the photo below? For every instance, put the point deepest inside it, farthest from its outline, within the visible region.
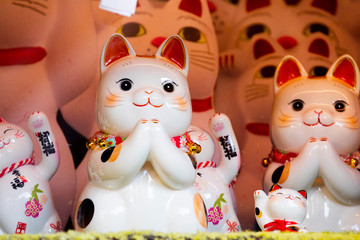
(139, 179)
(26, 199)
(315, 133)
(283, 209)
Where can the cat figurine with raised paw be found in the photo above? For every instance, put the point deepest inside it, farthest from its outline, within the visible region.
(26, 199)
(281, 210)
(315, 133)
(140, 179)
(213, 180)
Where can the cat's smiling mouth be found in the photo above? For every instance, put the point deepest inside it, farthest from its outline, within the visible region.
(318, 122)
(148, 103)
(3, 143)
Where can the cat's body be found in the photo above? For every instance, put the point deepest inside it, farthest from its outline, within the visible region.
(314, 124)
(213, 180)
(254, 40)
(26, 198)
(144, 182)
(281, 210)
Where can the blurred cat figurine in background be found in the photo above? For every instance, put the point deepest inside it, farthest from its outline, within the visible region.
(140, 179)
(26, 199)
(282, 209)
(315, 133)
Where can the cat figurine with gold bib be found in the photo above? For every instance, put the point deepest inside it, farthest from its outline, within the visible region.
(315, 133)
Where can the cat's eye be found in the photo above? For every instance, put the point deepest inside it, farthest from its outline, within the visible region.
(252, 30)
(235, 2)
(340, 105)
(7, 130)
(125, 84)
(317, 28)
(132, 29)
(318, 71)
(266, 72)
(297, 104)
(169, 86)
(192, 34)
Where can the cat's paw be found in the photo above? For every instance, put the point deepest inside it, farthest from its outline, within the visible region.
(220, 124)
(38, 122)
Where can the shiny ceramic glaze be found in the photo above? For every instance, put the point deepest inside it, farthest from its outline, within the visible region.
(317, 119)
(26, 198)
(212, 180)
(282, 209)
(145, 182)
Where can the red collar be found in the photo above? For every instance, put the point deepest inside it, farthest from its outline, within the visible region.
(280, 156)
(15, 166)
(281, 225)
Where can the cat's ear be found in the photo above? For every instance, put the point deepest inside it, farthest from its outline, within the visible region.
(275, 187)
(174, 50)
(2, 120)
(303, 193)
(289, 68)
(116, 47)
(346, 69)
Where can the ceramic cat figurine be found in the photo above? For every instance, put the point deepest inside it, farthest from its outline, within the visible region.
(26, 198)
(315, 133)
(41, 67)
(140, 179)
(262, 33)
(281, 210)
(213, 180)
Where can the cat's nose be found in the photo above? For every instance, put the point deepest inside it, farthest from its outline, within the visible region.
(157, 41)
(287, 42)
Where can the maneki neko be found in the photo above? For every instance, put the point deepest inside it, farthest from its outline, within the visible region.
(47, 58)
(262, 33)
(142, 165)
(315, 133)
(26, 199)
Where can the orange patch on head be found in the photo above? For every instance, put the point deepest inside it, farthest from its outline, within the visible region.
(200, 210)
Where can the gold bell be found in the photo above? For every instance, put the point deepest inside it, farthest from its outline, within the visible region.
(91, 144)
(266, 162)
(353, 162)
(194, 148)
(102, 143)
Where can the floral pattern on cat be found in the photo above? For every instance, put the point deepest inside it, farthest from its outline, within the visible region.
(215, 214)
(33, 206)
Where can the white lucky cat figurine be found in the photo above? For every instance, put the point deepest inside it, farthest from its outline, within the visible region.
(283, 209)
(213, 180)
(139, 179)
(26, 200)
(315, 133)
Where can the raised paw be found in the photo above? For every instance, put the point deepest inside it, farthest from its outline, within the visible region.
(38, 122)
(219, 124)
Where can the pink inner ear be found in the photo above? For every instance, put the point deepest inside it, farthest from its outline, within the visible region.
(303, 193)
(275, 187)
(345, 71)
(191, 6)
(2, 120)
(116, 49)
(174, 51)
(288, 70)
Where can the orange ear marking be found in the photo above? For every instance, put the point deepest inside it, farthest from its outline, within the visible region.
(174, 51)
(345, 71)
(288, 70)
(116, 49)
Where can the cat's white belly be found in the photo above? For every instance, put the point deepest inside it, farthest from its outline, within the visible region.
(144, 204)
(16, 197)
(324, 213)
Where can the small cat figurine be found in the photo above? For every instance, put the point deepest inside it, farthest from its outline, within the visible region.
(282, 209)
(213, 180)
(315, 133)
(26, 199)
(139, 179)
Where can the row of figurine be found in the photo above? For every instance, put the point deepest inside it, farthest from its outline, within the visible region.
(150, 169)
